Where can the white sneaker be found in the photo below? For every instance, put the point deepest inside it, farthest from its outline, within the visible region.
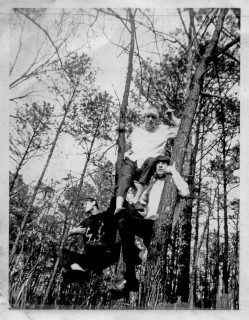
(143, 254)
(117, 286)
(75, 266)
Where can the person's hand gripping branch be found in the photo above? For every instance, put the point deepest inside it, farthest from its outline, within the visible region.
(171, 169)
(170, 113)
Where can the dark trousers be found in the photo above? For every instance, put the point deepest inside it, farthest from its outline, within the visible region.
(130, 172)
(96, 256)
(130, 224)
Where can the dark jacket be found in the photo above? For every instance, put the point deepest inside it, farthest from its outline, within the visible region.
(101, 227)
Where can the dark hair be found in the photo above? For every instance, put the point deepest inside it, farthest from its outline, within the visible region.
(92, 200)
(163, 159)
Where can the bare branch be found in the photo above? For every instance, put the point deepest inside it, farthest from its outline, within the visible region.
(50, 39)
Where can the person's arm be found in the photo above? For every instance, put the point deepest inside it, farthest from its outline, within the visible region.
(172, 118)
(181, 185)
(128, 143)
(77, 230)
(171, 131)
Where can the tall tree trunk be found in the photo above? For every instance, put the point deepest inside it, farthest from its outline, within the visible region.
(206, 282)
(183, 281)
(225, 255)
(236, 271)
(123, 108)
(224, 173)
(196, 236)
(217, 253)
(163, 225)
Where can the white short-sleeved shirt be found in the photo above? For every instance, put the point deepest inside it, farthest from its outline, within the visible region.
(145, 144)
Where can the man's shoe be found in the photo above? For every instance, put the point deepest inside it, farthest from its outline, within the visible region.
(123, 286)
(117, 286)
(118, 290)
(143, 254)
(77, 267)
(138, 206)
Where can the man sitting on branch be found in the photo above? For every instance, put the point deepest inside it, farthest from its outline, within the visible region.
(144, 145)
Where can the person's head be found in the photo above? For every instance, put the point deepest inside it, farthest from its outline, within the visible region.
(151, 117)
(161, 165)
(91, 205)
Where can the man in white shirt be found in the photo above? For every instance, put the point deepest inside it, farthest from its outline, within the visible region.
(144, 144)
(131, 223)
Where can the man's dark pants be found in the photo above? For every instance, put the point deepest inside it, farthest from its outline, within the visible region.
(97, 256)
(130, 172)
(131, 223)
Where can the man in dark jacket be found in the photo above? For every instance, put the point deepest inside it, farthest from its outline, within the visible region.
(100, 249)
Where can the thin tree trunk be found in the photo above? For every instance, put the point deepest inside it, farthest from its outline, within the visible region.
(206, 283)
(224, 173)
(196, 236)
(21, 163)
(183, 281)
(236, 271)
(123, 108)
(225, 255)
(217, 252)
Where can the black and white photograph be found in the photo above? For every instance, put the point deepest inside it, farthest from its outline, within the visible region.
(122, 132)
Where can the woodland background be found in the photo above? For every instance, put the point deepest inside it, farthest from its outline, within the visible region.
(57, 101)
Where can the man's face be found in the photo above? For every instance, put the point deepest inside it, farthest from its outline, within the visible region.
(88, 205)
(161, 168)
(150, 121)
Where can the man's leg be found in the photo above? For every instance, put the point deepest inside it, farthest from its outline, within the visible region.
(74, 270)
(144, 174)
(101, 256)
(71, 260)
(127, 176)
(131, 223)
